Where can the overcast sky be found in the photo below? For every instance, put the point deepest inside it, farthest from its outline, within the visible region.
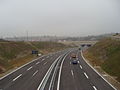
(59, 17)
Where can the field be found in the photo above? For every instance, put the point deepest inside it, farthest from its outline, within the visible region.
(15, 54)
(106, 54)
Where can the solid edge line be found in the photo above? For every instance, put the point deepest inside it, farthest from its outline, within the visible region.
(24, 65)
(21, 67)
(54, 74)
(97, 71)
(47, 73)
(58, 84)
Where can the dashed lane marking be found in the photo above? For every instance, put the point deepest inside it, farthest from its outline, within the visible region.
(35, 73)
(94, 88)
(86, 75)
(17, 77)
(80, 66)
(72, 73)
(43, 59)
(45, 63)
(37, 63)
(29, 68)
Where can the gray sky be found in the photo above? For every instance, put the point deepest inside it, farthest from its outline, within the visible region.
(59, 17)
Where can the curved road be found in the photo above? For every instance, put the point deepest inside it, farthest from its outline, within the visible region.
(55, 72)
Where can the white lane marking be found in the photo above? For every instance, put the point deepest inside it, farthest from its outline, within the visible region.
(58, 84)
(37, 63)
(29, 68)
(43, 59)
(97, 71)
(35, 73)
(17, 77)
(72, 73)
(86, 75)
(40, 87)
(45, 63)
(21, 67)
(94, 88)
(78, 61)
(80, 66)
(54, 75)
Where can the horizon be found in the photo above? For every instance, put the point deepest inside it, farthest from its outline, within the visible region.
(59, 18)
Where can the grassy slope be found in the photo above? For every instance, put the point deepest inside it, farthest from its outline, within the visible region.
(14, 54)
(48, 46)
(106, 53)
(11, 50)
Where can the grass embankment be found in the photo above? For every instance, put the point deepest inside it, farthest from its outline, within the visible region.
(47, 47)
(15, 54)
(106, 54)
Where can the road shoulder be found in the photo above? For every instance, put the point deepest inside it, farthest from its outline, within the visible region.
(109, 78)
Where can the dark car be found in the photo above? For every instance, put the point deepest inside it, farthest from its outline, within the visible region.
(82, 45)
(79, 48)
(89, 45)
(75, 62)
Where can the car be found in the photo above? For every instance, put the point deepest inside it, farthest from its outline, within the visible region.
(83, 45)
(73, 55)
(75, 62)
(89, 45)
(79, 48)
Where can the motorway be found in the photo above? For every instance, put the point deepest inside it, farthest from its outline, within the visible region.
(55, 72)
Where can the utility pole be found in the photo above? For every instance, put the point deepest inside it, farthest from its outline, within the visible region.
(27, 35)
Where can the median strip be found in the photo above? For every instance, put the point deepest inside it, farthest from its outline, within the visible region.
(47, 75)
(58, 84)
(54, 75)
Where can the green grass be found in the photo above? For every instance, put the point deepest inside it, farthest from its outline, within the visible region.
(107, 51)
(13, 54)
(44, 45)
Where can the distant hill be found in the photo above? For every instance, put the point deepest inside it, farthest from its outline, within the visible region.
(89, 38)
(56, 38)
(2, 40)
(106, 53)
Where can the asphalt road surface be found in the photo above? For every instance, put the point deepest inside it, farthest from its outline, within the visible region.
(55, 72)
